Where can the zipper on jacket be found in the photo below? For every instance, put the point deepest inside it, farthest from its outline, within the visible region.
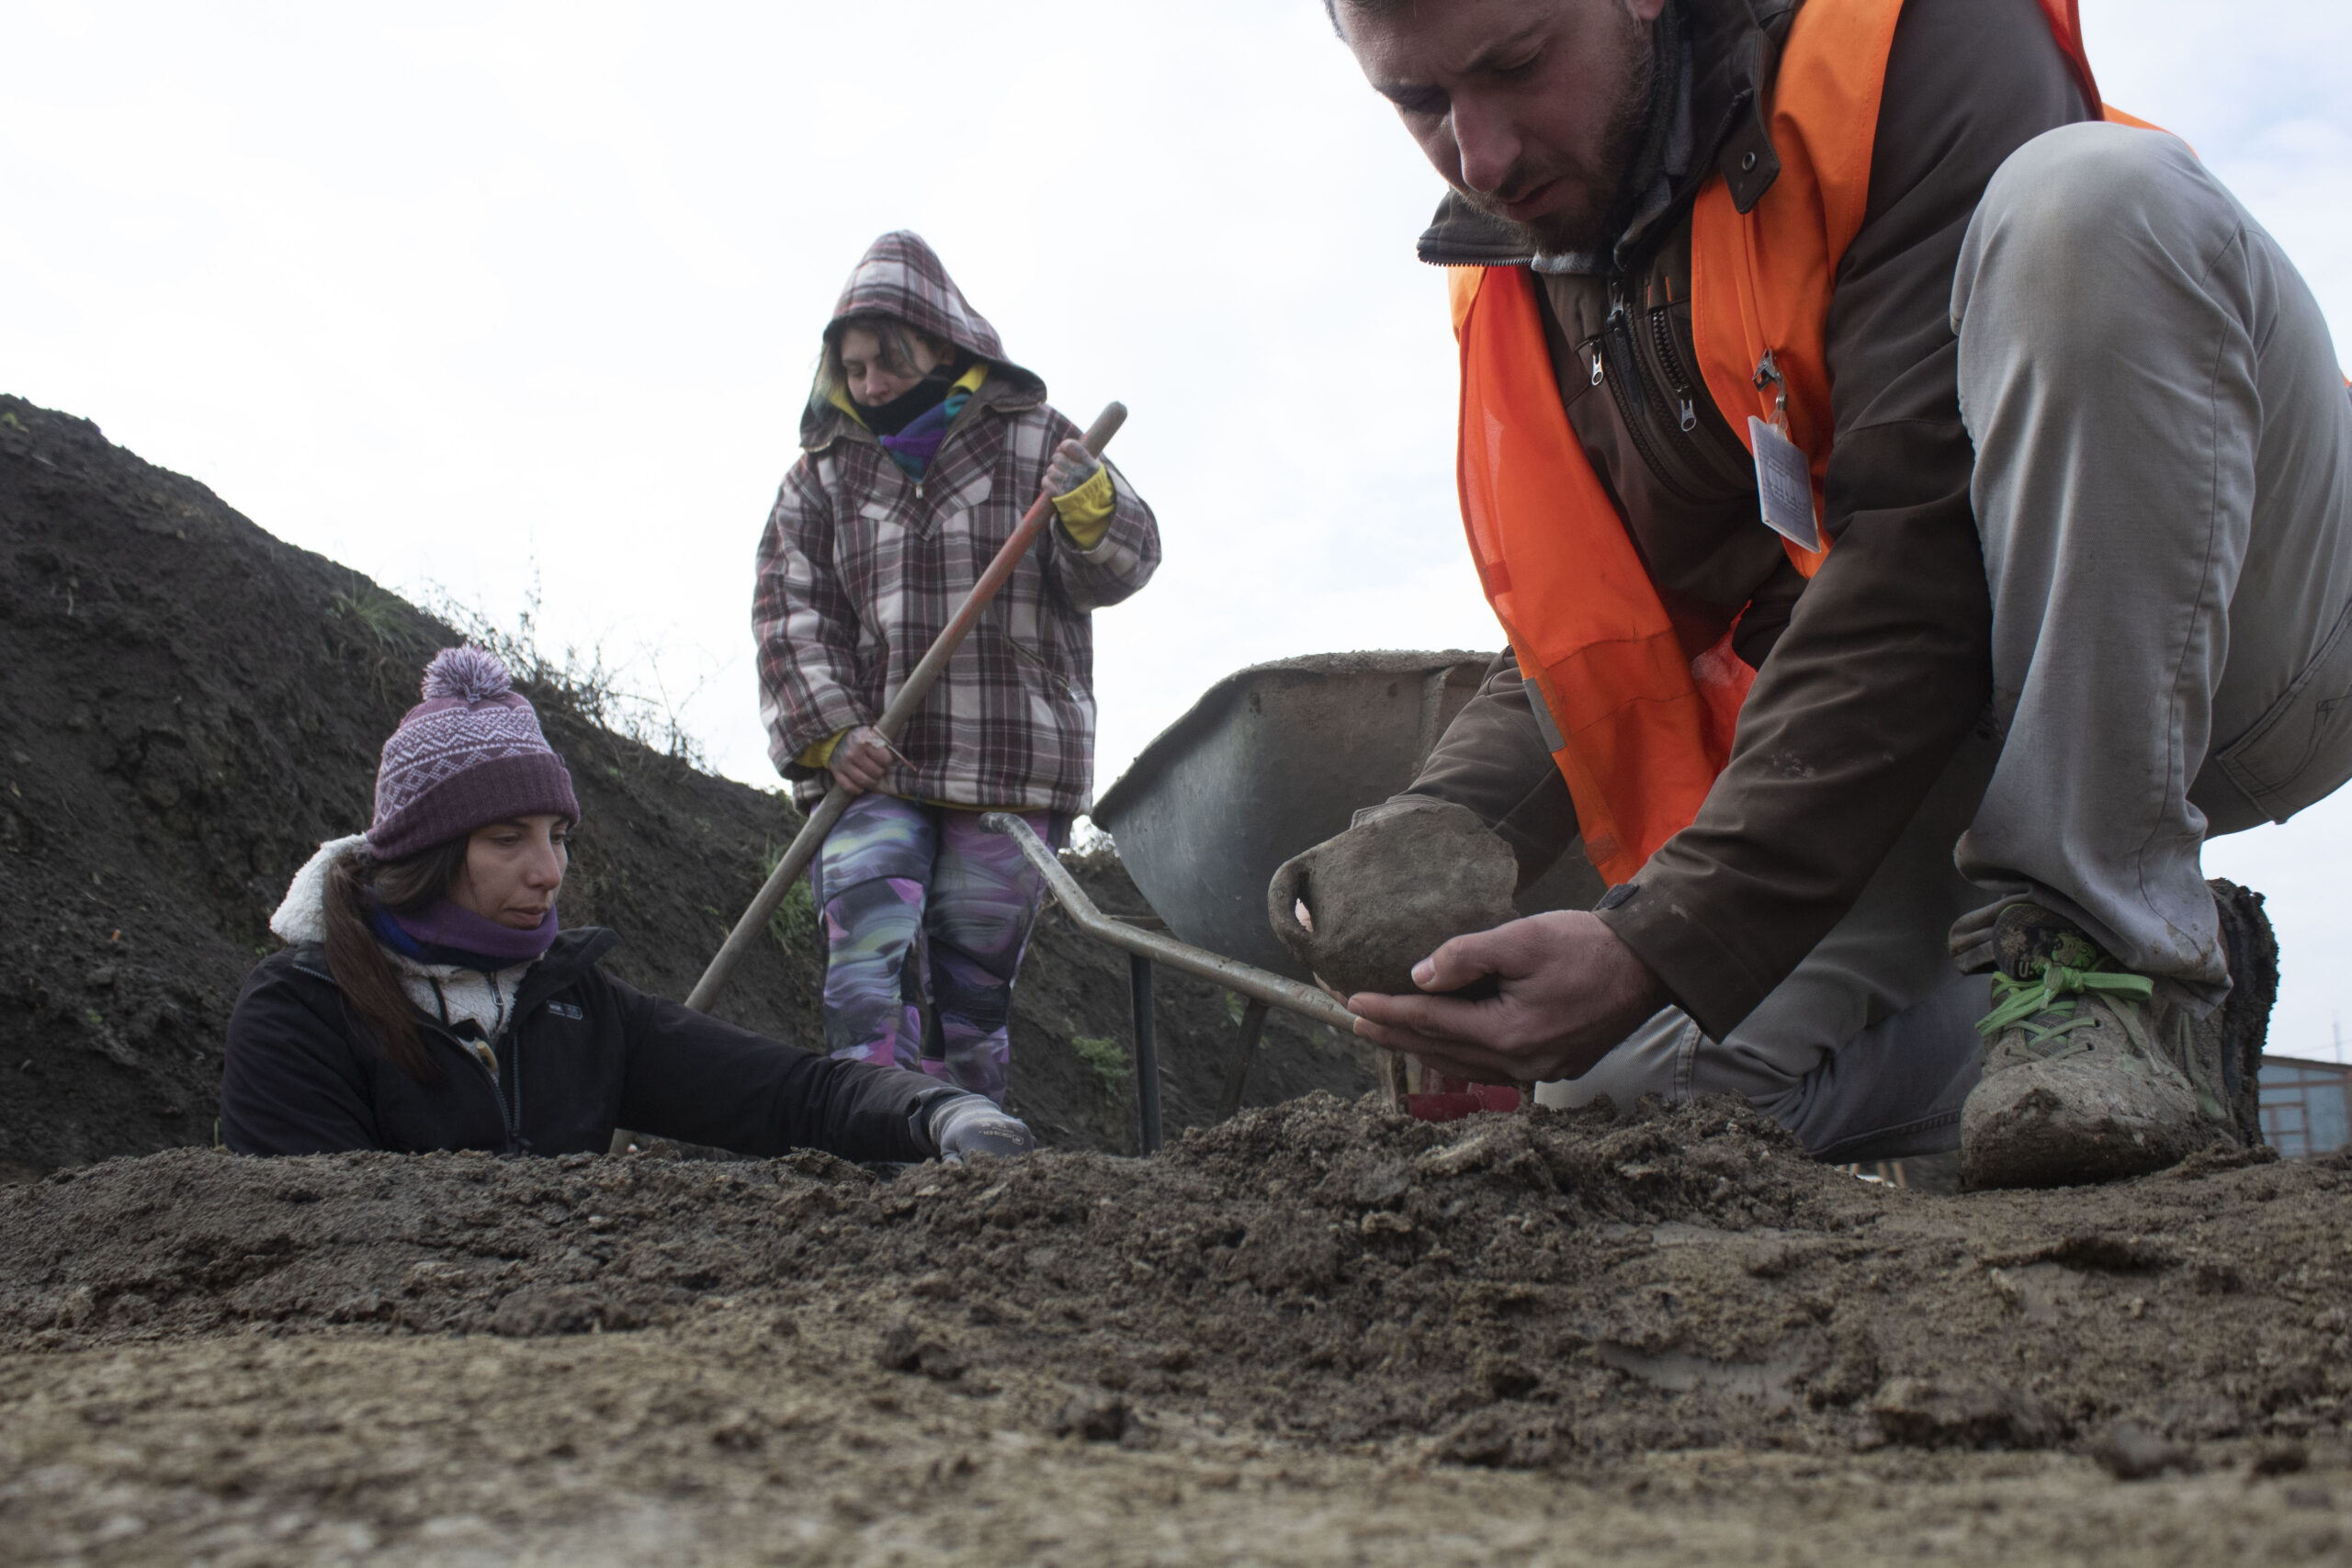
(1673, 445)
(1730, 457)
(1662, 335)
(505, 1120)
(1620, 368)
(514, 1138)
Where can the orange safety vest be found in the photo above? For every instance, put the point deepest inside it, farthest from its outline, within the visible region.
(1647, 727)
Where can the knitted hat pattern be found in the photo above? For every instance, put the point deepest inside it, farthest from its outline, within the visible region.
(469, 755)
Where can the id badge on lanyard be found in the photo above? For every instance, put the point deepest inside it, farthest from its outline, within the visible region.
(1783, 477)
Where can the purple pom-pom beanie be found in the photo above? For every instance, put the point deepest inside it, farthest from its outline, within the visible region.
(469, 755)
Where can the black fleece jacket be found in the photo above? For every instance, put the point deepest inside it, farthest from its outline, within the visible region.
(586, 1053)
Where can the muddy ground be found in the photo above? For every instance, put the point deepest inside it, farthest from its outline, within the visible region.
(188, 706)
(1316, 1334)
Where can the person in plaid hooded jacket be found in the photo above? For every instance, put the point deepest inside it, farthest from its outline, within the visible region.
(922, 445)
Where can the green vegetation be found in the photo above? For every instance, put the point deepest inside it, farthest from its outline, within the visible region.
(385, 618)
(608, 694)
(794, 924)
(1107, 1057)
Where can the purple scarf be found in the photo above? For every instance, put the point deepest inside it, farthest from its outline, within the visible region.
(446, 933)
(914, 446)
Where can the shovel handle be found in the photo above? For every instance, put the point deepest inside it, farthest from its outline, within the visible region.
(1106, 424)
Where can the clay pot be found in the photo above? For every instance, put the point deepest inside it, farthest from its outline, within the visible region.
(1383, 897)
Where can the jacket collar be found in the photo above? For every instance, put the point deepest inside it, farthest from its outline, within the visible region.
(302, 916)
(568, 960)
(1735, 53)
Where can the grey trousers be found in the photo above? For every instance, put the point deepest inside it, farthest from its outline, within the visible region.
(2164, 492)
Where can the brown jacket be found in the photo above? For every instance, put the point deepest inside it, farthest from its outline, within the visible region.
(1868, 676)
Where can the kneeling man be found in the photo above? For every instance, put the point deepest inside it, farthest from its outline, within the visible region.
(1916, 498)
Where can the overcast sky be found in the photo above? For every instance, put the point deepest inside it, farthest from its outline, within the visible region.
(459, 294)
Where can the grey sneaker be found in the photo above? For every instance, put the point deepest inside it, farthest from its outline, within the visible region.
(2091, 1074)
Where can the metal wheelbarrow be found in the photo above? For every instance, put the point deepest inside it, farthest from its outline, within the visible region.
(1272, 761)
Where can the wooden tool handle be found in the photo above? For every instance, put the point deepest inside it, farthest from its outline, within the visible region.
(1106, 424)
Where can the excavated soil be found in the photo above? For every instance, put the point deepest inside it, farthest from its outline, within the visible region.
(1317, 1333)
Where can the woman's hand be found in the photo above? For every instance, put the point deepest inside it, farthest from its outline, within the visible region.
(963, 1125)
(1072, 466)
(861, 760)
(1570, 992)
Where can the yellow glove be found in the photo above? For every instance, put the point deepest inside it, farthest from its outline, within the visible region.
(1084, 495)
(819, 754)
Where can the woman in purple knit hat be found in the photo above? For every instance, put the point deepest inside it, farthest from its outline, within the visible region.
(428, 1001)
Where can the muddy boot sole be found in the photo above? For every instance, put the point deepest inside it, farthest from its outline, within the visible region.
(2253, 950)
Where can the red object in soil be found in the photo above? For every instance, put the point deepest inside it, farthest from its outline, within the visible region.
(1443, 1099)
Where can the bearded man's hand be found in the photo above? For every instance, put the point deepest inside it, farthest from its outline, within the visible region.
(1569, 991)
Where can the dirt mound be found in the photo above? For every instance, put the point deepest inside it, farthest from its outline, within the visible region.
(1316, 1334)
(188, 706)
(1519, 1291)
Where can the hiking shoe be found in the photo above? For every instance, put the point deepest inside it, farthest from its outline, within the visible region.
(2090, 1072)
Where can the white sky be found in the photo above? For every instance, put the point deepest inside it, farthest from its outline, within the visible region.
(455, 291)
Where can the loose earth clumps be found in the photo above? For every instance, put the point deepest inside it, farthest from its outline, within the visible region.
(1315, 1299)
(1521, 1291)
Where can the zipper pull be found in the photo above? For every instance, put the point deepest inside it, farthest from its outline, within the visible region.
(1596, 364)
(1689, 415)
(1768, 375)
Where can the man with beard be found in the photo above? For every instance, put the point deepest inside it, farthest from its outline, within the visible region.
(1916, 498)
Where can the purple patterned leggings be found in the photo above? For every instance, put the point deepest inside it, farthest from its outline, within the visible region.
(918, 901)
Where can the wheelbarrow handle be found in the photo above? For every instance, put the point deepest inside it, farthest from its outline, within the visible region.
(1259, 985)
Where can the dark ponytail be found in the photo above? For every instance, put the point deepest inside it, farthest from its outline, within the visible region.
(355, 960)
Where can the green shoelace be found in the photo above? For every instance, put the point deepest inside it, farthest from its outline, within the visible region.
(2055, 991)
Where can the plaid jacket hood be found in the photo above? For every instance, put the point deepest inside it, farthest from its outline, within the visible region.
(861, 566)
(901, 276)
